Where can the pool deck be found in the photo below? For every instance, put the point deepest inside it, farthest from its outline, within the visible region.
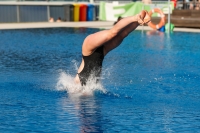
(91, 24)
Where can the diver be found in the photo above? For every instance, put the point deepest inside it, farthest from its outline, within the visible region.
(97, 45)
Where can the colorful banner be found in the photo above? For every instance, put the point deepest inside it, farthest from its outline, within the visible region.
(111, 11)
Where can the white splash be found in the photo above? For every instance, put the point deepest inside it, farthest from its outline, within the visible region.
(66, 83)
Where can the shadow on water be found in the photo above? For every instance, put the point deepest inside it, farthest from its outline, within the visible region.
(85, 109)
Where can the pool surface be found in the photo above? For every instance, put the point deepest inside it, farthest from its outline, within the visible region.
(150, 83)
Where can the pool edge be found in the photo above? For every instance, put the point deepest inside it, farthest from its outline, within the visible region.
(90, 24)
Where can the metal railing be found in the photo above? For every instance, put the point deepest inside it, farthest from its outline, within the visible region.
(95, 1)
(28, 10)
(20, 11)
(188, 5)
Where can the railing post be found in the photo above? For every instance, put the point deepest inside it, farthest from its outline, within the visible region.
(18, 14)
(91, 1)
(169, 25)
(48, 12)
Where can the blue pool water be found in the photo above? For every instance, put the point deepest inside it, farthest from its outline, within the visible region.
(150, 83)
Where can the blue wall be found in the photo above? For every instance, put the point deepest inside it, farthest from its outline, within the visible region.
(38, 13)
(8, 13)
(33, 13)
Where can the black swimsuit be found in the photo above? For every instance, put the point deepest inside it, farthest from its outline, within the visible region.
(92, 65)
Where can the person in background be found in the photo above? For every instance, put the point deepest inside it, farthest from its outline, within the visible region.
(97, 45)
(191, 6)
(197, 6)
(59, 19)
(146, 2)
(51, 19)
